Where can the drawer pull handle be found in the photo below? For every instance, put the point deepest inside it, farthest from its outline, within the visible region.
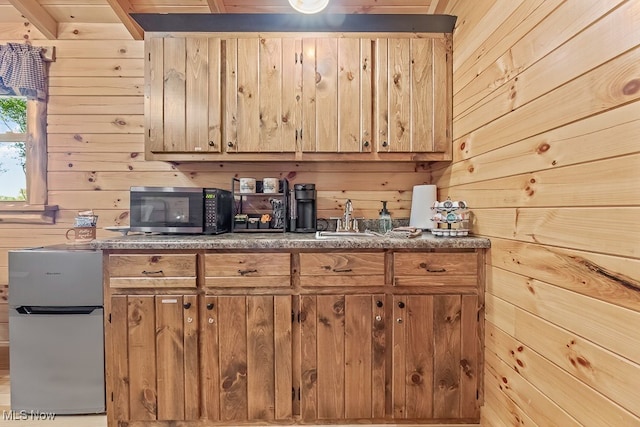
(187, 305)
(210, 306)
(436, 270)
(379, 303)
(152, 272)
(245, 272)
(401, 304)
(342, 270)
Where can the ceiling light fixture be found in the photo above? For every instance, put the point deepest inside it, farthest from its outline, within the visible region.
(309, 6)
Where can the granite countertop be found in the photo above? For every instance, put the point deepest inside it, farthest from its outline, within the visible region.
(284, 241)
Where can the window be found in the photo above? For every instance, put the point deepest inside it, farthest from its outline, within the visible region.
(23, 136)
(13, 134)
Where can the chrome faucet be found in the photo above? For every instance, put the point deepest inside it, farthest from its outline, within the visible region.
(348, 211)
(347, 223)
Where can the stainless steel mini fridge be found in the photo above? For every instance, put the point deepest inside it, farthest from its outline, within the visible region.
(56, 345)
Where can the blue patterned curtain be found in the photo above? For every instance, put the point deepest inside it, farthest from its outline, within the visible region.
(22, 71)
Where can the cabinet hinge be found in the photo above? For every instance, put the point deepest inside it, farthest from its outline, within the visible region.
(293, 316)
(477, 394)
(298, 317)
(298, 393)
(109, 317)
(300, 58)
(296, 134)
(149, 57)
(296, 57)
(300, 134)
(112, 396)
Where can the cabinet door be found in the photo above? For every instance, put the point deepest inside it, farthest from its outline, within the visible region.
(343, 357)
(154, 357)
(435, 369)
(247, 358)
(183, 97)
(414, 94)
(337, 95)
(260, 95)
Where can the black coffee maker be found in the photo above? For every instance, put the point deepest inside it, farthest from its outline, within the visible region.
(303, 208)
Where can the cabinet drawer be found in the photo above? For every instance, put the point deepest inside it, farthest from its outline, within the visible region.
(342, 269)
(248, 270)
(417, 269)
(148, 271)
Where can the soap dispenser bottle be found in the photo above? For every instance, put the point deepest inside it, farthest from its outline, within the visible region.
(384, 221)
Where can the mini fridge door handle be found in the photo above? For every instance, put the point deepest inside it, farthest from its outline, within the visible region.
(35, 310)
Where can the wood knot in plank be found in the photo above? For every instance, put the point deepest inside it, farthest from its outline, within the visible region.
(466, 368)
(631, 87)
(309, 378)
(236, 373)
(543, 148)
(148, 400)
(416, 378)
(579, 360)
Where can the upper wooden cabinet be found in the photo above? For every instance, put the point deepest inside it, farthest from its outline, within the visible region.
(260, 95)
(183, 100)
(414, 94)
(337, 95)
(352, 97)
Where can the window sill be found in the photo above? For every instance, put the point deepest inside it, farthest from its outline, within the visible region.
(22, 213)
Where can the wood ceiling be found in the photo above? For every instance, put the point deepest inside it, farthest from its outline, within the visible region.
(47, 15)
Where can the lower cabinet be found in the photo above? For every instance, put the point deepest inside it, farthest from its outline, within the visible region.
(246, 351)
(153, 368)
(318, 345)
(419, 352)
(435, 369)
(342, 352)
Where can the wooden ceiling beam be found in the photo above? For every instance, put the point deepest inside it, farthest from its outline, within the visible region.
(122, 8)
(216, 6)
(38, 17)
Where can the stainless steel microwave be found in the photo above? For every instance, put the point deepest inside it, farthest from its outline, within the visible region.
(180, 210)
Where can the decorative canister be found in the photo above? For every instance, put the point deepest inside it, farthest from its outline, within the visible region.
(247, 185)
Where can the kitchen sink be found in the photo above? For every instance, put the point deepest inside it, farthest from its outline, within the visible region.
(343, 234)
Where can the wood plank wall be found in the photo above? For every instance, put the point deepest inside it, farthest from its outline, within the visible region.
(95, 147)
(547, 154)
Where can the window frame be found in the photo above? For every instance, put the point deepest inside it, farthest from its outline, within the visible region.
(35, 209)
